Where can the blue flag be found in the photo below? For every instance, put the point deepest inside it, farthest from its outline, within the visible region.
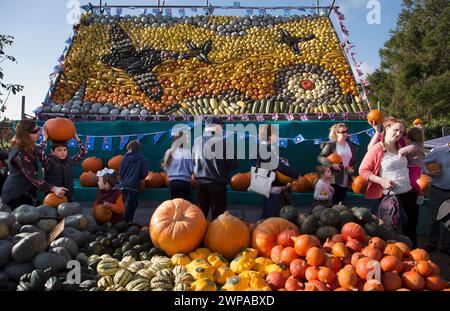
(157, 137)
(287, 12)
(371, 132)
(299, 139)
(168, 12)
(107, 144)
(123, 141)
(249, 11)
(118, 11)
(354, 139)
(89, 142)
(318, 141)
(282, 142)
(72, 143)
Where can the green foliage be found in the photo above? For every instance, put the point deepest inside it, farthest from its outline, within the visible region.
(414, 78)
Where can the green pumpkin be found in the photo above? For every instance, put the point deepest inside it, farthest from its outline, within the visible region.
(341, 208)
(38, 278)
(26, 214)
(371, 229)
(362, 215)
(69, 208)
(323, 233)
(346, 217)
(289, 212)
(317, 210)
(29, 246)
(330, 217)
(309, 226)
(301, 218)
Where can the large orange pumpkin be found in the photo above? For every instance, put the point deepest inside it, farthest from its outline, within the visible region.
(283, 178)
(265, 235)
(92, 164)
(114, 162)
(334, 158)
(240, 181)
(359, 185)
(423, 181)
(88, 179)
(375, 115)
(60, 129)
(302, 184)
(52, 200)
(101, 213)
(154, 180)
(177, 226)
(226, 235)
(312, 178)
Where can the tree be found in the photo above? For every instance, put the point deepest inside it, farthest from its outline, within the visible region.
(6, 40)
(414, 78)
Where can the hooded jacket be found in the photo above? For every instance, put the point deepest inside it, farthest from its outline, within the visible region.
(133, 169)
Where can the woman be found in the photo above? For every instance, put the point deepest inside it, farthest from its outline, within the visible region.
(272, 205)
(387, 171)
(178, 165)
(22, 183)
(347, 151)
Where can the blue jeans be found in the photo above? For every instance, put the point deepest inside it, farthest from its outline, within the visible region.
(131, 203)
(271, 206)
(180, 189)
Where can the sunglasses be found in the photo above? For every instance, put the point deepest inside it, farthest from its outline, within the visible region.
(35, 131)
(343, 132)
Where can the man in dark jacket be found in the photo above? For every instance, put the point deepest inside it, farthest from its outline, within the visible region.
(212, 165)
(133, 169)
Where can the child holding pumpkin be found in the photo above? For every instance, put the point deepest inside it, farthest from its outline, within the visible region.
(323, 191)
(109, 205)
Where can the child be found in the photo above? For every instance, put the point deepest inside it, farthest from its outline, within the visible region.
(415, 153)
(178, 165)
(109, 194)
(58, 166)
(323, 191)
(133, 169)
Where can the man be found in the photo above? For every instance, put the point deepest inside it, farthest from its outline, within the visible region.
(439, 192)
(212, 166)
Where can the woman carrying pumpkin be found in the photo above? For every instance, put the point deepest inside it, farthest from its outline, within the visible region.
(340, 155)
(23, 161)
(267, 137)
(387, 172)
(109, 203)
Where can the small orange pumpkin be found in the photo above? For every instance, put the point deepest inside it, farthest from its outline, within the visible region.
(154, 180)
(92, 164)
(359, 185)
(417, 122)
(413, 280)
(88, 179)
(375, 115)
(419, 254)
(101, 213)
(334, 158)
(304, 242)
(373, 286)
(240, 181)
(391, 281)
(423, 181)
(114, 162)
(283, 178)
(312, 178)
(424, 268)
(302, 184)
(315, 256)
(53, 200)
(60, 129)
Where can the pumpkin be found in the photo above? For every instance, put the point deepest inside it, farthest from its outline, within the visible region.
(180, 259)
(154, 180)
(88, 179)
(312, 273)
(276, 280)
(177, 226)
(203, 272)
(433, 167)
(304, 242)
(275, 253)
(330, 217)
(435, 283)
(92, 164)
(289, 212)
(391, 264)
(419, 254)
(347, 278)
(435, 267)
(29, 246)
(354, 245)
(222, 274)
(309, 225)
(326, 275)
(236, 283)
(265, 235)
(334, 158)
(363, 266)
(227, 235)
(403, 247)
(302, 184)
(312, 178)
(391, 281)
(283, 178)
(413, 280)
(354, 231)
(24, 214)
(293, 284)
(60, 129)
(216, 260)
(101, 213)
(288, 254)
(379, 243)
(339, 250)
(423, 181)
(204, 284)
(393, 250)
(248, 253)
(69, 208)
(240, 181)
(53, 200)
(200, 253)
(298, 268)
(372, 252)
(375, 116)
(359, 185)
(240, 264)
(315, 285)
(332, 262)
(261, 263)
(328, 245)
(373, 286)
(285, 238)
(424, 268)
(315, 256)
(114, 163)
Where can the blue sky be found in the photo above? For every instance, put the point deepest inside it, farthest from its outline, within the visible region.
(40, 29)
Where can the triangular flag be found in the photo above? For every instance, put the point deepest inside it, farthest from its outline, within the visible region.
(107, 144)
(283, 142)
(157, 137)
(371, 132)
(123, 141)
(90, 142)
(299, 139)
(72, 143)
(318, 141)
(354, 139)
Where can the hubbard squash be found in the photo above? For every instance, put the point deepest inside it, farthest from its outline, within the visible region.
(26, 214)
(69, 208)
(45, 260)
(5, 251)
(29, 246)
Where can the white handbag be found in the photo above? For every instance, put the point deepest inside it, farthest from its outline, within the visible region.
(261, 181)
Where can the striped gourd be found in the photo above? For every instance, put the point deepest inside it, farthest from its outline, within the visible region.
(147, 263)
(161, 282)
(184, 277)
(181, 287)
(126, 262)
(138, 284)
(161, 286)
(162, 260)
(123, 277)
(105, 282)
(178, 270)
(167, 273)
(136, 266)
(108, 266)
(157, 266)
(145, 274)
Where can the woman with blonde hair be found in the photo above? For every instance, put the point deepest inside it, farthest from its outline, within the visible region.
(387, 173)
(343, 171)
(22, 183)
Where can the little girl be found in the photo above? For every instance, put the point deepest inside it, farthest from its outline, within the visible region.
(109, 194)
(323, 192)
(415, 153)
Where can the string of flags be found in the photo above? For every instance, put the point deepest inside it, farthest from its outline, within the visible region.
(283, 142)
(348, 47)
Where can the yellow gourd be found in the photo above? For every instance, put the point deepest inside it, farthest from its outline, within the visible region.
(248, 253)
(200, 253)
(222, 274)
(235, 283)
(180, 259)
(203, 285)
(190, 267)
(201, 273)
(259, 283)
(241, 264)
(216, 260)
(249, 274)
(261, 263)
(278, 268)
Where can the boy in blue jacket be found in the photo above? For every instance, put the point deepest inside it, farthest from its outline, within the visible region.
(133, 169)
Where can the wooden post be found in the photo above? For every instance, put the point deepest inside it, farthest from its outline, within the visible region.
(22, 115)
